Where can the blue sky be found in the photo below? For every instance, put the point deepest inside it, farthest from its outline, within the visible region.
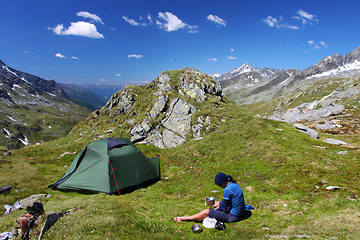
(133, 41)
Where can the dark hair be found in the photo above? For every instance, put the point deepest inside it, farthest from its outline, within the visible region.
(230, 179)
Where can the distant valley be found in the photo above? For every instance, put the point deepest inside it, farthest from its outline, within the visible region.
(90, 95)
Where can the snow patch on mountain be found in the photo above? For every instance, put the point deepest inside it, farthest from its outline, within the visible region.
(25, 141)
(11, 118)
(286, 80)
(338, 71)
(7, 132)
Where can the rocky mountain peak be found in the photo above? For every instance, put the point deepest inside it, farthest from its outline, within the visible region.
(29, 84)
(352, 57)
(265, 84)
(326, 64)
(29, 105)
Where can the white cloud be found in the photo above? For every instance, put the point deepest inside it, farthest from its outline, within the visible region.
(232, 50)
(212, 59)
(118, 75)
(140, 23)
(169, 22)
(80, 28)
(278, 23)
(59, 55)
(270, 21)
(94, 17)
(323, 44)
(216, 20)
(150, 18)
(305, 17)
(131, 21)
(232, 58)
(137, 56)
(319, 45)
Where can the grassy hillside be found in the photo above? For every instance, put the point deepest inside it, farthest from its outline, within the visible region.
(279, 169)
(38, 123)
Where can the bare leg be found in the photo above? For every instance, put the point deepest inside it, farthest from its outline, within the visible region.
(196, 218)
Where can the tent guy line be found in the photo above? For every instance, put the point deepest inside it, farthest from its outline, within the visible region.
(117, 186)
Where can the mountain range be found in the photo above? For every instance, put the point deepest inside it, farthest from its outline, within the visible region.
(247, 84)
(31, 106)
(323, 97)
(34, 109)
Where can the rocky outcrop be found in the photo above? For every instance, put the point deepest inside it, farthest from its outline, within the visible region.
(171, 131)
(306, 112)
(123, 102)
(170, 120)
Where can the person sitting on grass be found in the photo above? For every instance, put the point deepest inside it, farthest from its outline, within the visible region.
(229, 209)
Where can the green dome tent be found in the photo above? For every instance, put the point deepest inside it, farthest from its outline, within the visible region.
(109, 165)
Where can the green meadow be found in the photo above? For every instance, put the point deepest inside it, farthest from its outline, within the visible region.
(283, 173)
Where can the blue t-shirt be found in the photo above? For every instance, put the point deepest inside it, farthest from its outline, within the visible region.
(234, 194)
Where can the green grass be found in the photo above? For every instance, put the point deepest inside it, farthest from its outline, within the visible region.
(278, 168)
(38, 123)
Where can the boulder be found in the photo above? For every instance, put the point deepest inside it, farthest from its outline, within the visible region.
(139, 132)
(335, 141)
(159, 106)
(179, 117)
(197, 130)
(171, 139)
(155, 138)
(312, 133)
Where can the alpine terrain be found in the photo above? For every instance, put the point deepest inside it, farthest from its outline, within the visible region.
(33, 109)
(324, 97)
(300, 187)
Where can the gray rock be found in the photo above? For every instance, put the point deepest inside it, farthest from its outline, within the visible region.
(159, 106)
(179, 117)
(156, 139)
(197, 130)
(342, 152)
(194, 91)
(325, 126)
(312, 133)
(171, 139)
(335, 141)
(163, 84)
(139, 131)
(196, 139)
(124, 102)
(207, 120)
(304, 113)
